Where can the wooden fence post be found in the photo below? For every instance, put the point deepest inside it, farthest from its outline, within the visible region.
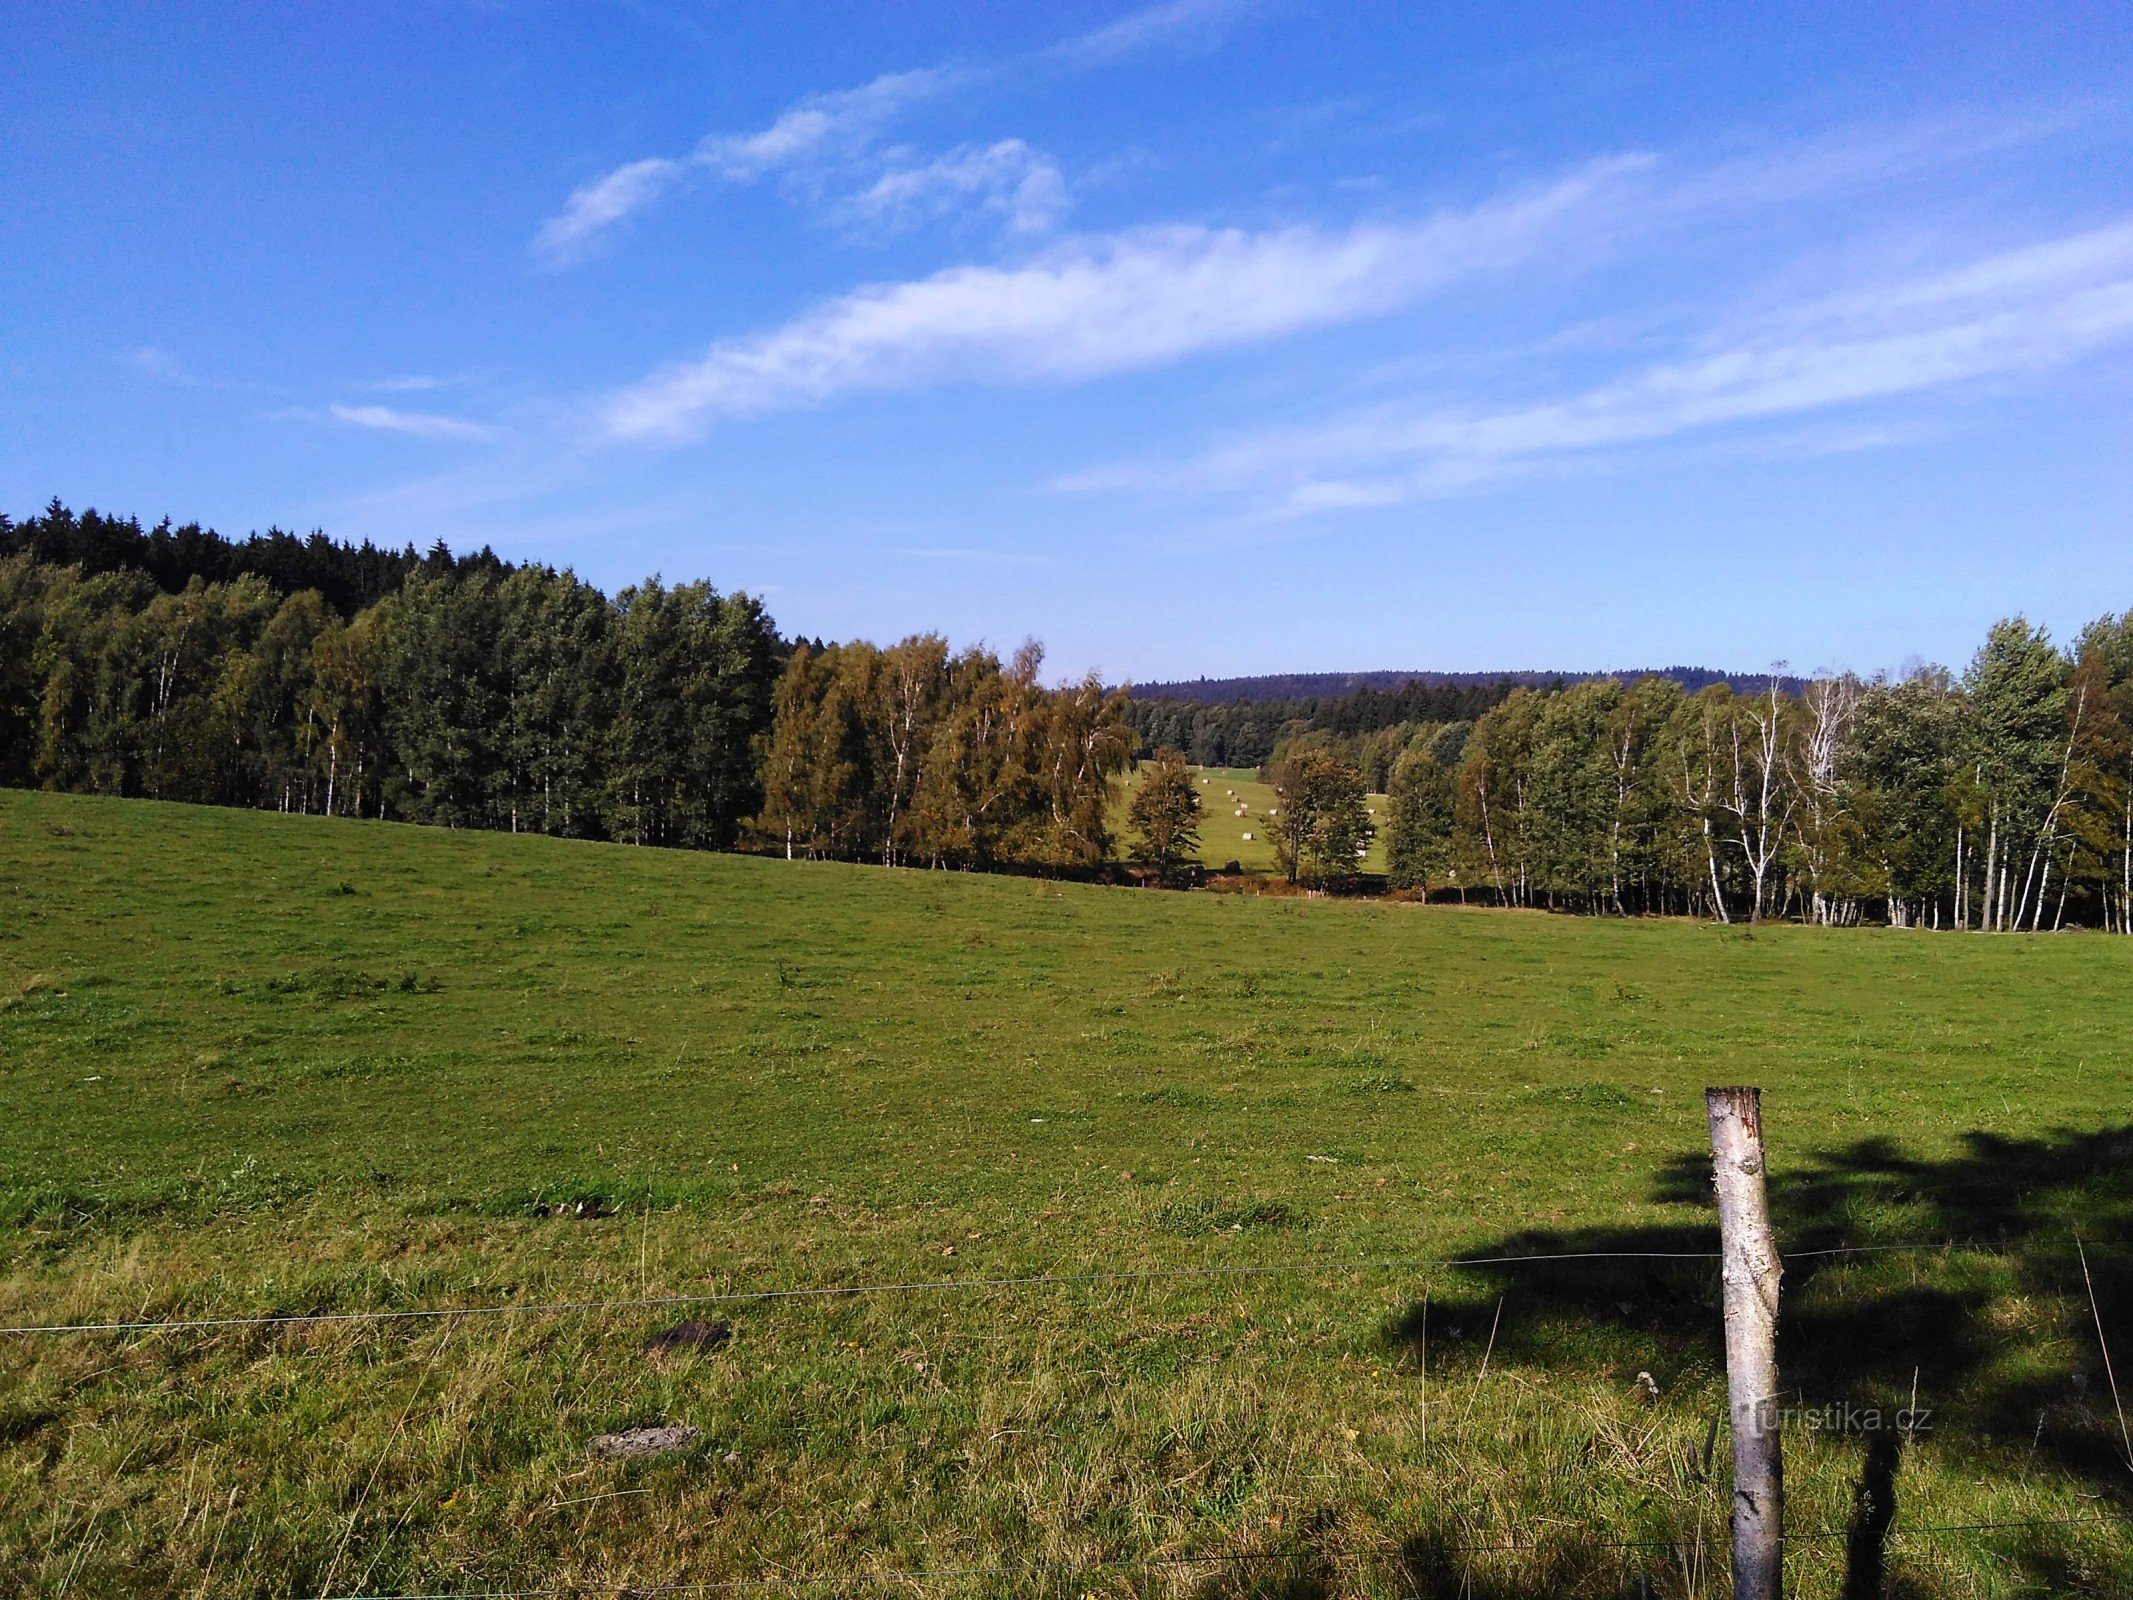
(1751, 1272)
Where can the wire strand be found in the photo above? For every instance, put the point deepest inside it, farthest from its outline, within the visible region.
(835, 1291)
(919, 1286)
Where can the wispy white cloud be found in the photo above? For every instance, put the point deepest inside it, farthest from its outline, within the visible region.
(1009, 178)
(839, 128)
(822, 124)
(821, 127)
(1109, 304)
(419, 424)
(414, 383)
(153, 361)
(1852, 157)
(161, 366)
(1190, 22)
(2019, 311)
(597, 206)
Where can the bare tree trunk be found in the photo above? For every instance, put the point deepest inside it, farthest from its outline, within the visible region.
(1759, 831)
(2125, 888)
(1710, 855)
(1623, 758)
(1488, 837)
(2039, 855)
(1751, 1275)
(1830, 704)
(1992, 851)
(1525, 836)
(2040, 859)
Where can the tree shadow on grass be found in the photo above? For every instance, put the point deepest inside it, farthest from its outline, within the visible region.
(1995, 1338)
(1866, 1544)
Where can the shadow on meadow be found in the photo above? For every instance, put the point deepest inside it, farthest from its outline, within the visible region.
(1996, 1337)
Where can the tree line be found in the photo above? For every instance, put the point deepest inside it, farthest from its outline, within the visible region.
(308, 676)
(1245, 733)
(318, 677)
(1243, 722)
(466, 692)
(913, 755)
(1999, 799)
(348, 577)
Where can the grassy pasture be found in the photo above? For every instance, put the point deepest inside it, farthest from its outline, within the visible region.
(1222, 831)
(253, 1064)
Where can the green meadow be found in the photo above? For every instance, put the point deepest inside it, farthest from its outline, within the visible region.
(1234, 803)
(254, 1065)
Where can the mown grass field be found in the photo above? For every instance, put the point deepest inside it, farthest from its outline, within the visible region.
(255, 1064)
(1223, 790)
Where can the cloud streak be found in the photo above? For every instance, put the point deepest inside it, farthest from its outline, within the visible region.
(1009, 178)
(2017, 312)
(821, 124)
(597, 206)
(1199, 22)
(838, 127)
(416, 424)
(820, 127)
(1110, 303)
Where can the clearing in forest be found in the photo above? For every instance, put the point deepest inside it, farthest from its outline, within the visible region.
(1233, 803)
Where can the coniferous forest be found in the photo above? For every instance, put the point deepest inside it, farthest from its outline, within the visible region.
(306, 675)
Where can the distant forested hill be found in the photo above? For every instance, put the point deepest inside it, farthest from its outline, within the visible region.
(1241, 722)
(1331, 685)
(348, 577)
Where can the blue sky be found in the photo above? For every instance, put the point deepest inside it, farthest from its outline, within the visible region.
(1214, 336)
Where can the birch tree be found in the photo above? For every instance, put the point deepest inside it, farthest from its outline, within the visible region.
(1827, 709)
